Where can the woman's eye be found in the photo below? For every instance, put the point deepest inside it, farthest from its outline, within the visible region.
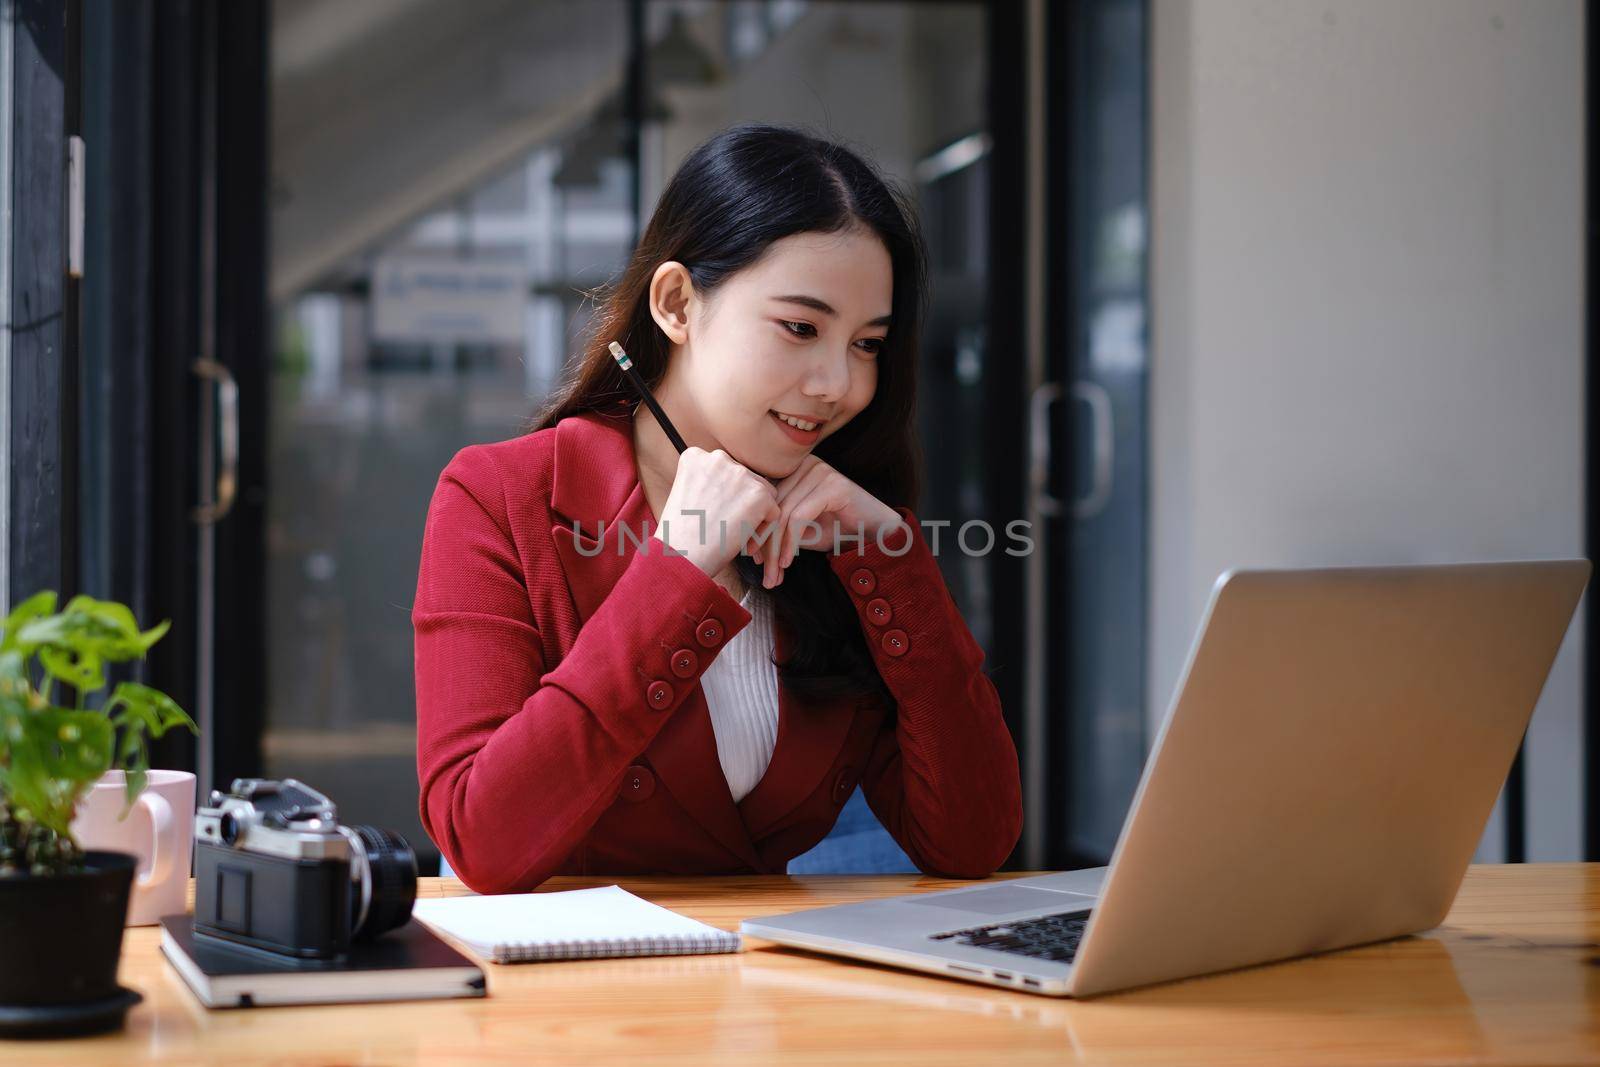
(805, 329)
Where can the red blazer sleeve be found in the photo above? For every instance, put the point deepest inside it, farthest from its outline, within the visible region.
(943, 779)
(516, 761)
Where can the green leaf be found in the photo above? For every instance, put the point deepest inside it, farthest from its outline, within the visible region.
(77, 744)
(84, 671)
(116, 616)
(148, 709)
(116, 619)
(54, 757)
(104, 628)
(13, 705)
(136, 770)
(41, 603)
(154, 634)
(133, 757)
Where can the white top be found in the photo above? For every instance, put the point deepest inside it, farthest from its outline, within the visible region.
(741, 687)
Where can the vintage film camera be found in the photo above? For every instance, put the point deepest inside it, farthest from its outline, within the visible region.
(275, 869)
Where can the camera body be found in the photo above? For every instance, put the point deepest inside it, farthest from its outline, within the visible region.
(275, 869)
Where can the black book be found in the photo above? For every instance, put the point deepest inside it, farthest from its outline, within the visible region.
(410, 963)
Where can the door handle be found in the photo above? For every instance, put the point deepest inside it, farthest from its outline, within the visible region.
(1039, 457)
(227, 484)
(1102, 453)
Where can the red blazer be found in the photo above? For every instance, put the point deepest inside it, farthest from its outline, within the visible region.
(561, 726)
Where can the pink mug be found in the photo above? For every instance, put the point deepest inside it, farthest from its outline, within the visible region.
(159, 830)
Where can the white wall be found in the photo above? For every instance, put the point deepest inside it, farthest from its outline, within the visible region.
(1367, 279)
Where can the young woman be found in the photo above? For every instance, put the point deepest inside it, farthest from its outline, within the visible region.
(606, 682)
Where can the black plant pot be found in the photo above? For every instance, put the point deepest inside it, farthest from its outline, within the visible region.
(60, 941)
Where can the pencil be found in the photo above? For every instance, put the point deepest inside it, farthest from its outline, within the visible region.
(638, 383)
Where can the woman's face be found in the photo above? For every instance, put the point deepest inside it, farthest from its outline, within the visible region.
(796, 333)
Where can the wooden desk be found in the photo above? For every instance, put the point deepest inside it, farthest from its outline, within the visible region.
(1513, 977)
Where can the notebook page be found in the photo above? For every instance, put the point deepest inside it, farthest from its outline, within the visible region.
(605, 913)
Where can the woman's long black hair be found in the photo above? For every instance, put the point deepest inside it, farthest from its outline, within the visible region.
(731, 198)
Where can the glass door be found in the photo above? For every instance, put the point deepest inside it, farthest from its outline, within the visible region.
(447, 181)
(1099, 704)
(41, 178)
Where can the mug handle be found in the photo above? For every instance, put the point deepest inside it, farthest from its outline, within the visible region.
(163, 847)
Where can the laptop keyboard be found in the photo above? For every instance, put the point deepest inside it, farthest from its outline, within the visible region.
(1049, 937)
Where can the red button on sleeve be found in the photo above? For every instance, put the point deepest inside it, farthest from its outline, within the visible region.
(708, 632)
(862, 581)
(659, 695)
(896, 643)
(685, 663)
(879, 612)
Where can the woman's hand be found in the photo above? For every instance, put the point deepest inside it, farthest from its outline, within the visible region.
(815, 503)
(713, 498)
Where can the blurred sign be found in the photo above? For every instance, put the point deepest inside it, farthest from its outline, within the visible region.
(431, 298)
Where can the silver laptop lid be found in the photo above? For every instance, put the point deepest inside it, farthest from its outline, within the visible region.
(1332, 755)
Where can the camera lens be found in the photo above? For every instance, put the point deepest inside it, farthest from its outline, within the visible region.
(383, 880)
(229, 827)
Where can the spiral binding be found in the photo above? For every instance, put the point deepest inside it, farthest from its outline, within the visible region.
(526, 951)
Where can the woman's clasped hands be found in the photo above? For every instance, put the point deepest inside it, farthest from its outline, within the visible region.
(815, 507)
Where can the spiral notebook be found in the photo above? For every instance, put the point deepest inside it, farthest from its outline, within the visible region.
(570, 925)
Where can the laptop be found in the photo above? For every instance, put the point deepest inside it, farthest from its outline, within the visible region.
(1330, 759)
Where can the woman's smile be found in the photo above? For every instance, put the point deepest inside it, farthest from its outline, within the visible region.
(795, 433)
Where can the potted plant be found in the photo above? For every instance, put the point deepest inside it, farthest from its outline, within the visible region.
(62, 909)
